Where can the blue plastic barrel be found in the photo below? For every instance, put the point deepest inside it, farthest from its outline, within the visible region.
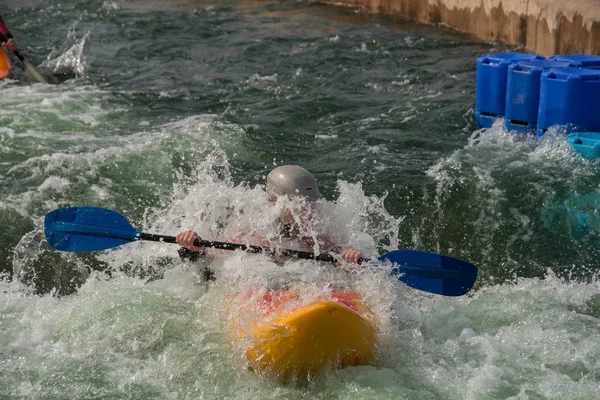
(569, 97)
(579, 60)
(490, 90)
(523, 93)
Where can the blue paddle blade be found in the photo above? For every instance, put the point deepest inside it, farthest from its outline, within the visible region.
(432, 272)
(82, 229)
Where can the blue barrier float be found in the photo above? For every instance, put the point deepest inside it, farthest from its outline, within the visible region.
(533, 94)
(523, 93)
(569, 97)
(490, 90)
(579, 60)
(586, 143)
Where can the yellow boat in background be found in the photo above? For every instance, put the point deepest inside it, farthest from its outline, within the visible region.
(5, 65)
(282, 337)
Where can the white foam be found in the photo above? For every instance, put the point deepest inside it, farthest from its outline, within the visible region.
(55, 183)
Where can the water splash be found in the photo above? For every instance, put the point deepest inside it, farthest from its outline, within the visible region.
(68, 60)
(499, 191)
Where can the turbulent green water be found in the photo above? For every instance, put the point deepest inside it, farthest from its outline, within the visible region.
(173, 112)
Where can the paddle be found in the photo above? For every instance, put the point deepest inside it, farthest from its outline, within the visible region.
(81, 229)
(28, 66)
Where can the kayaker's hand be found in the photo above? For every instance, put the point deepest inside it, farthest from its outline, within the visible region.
(351, 256)
(186, 239)
(10, 44)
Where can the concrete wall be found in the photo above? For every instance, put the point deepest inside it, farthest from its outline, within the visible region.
(545, 27)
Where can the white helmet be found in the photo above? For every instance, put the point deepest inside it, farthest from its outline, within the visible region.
(293, 181)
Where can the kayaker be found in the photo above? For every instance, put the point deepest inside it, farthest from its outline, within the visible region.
(8, 42)
(294, 182)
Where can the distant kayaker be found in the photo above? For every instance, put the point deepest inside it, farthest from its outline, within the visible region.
(294, 182)
(8, 42)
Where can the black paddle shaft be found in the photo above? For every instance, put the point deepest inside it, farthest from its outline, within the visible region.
(245, 247)
(19, 56)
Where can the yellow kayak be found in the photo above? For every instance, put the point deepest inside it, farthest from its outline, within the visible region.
(282, 337)
(5, 66)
